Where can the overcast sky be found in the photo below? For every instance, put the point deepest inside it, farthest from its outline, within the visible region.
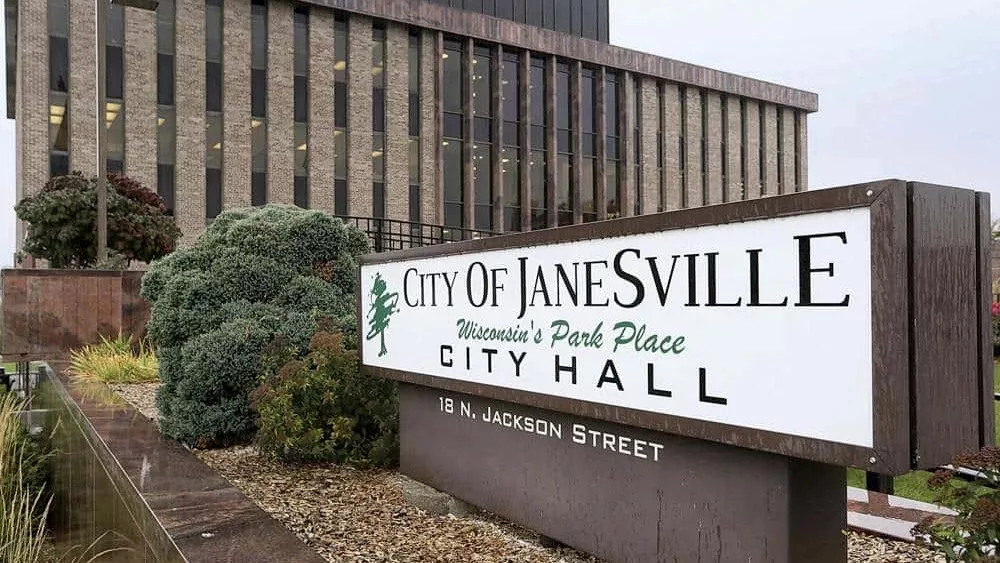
(907, 88)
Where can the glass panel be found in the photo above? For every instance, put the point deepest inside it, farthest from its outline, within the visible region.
(258, 35)
(378, 109)
(564, 192)
(505, 9)
(482, 129)
(587, 104)
(213, 86)
(258, 92)
(166, 131)
(301, 192)
(116, 25)
(537, 94)
(165, 26)
(301, 166)
(414, 204)
(611, 105)
(340, 51)
(340, 154)
(452, 157)
(115, 121)
(452, 98)
(562, 98)
(59, 64)
(258, 145)
(301, 40)
(378, 157)
(378, 199)
(563, 14)
(378, 60)
(58, 18)
(613, 196)
(258, 188)
(58, 164)
(537, 172)
(301, 109)
(413, 121)
(165, 185)
(482, 97)
(58, 124)
(483, 183)
(414, 161)
(533, 15)
(340, 105)
(165, 79)
(588, 190)
(510, 92)
(213, 141)
(589, 16)
(511, 134)
(340, 197)
(213, 192)
(115, 72)
(510, 162)
(213, 31)
(414, 64)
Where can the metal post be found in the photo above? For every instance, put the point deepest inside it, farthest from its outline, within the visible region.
(101, 8)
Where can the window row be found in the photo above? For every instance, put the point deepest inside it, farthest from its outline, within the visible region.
(583, 18)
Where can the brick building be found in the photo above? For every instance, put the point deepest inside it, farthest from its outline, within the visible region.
(494, 115)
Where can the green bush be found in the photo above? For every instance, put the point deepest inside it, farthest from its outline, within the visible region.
(255, 277)
(320, 408)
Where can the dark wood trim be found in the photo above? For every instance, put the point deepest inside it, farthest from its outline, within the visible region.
(510, 33)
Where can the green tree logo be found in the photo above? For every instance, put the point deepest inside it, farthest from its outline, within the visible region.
(383, 306)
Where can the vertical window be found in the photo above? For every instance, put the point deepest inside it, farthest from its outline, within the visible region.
(505, 9)
(781, 149)
(743, 148)
(722, 149)
(703, 101)
(636, 112)
(166, 122)
(661, 129)
(798, 152)
(588, 130)
(510, 160)
(565, 191)
(563, 16)
(452, 143)
(258, 102)
(482, 166)
(115, 89)
(613, 199)
(340, 115)
(213, 108)
(58, 29)
(378, 121)
(533, 15)
(762, 148)
(301, 105)
(413, 71)
(682, 145)
(538, 159)
(589, 16)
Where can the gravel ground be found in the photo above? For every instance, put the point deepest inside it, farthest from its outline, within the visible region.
(356, 516)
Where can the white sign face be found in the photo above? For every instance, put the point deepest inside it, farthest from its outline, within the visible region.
(763, 324)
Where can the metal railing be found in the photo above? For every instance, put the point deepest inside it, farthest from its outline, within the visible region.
(392, 234)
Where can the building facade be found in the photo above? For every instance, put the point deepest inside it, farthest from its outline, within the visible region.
(404, 109)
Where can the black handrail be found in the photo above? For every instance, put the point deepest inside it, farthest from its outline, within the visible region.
(393, 234)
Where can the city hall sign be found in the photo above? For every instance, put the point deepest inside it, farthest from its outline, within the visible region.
(759, 346)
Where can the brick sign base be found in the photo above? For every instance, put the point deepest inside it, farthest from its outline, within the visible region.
(622, 493)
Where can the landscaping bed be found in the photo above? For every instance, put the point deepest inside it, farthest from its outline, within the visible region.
(350, 515)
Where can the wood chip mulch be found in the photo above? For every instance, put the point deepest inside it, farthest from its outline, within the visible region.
(360, 516)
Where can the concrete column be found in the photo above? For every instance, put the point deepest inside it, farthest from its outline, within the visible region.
(770, 150)
(693, 189)
(359, 116)
(496, 148)
(600, 172)
(524, 139)
(236, 107)
(82, 79)
(802, 150)
(321, 110)
(431, 185)
(713, 143)
(140, 96)
(751, 132)
(650, 120)
(626, 159)
(190, 87)
(32, 109)
(735, 183)
(576, 142)
(788, 149)
(552, 164)
(397, 162)
(673, 196)
(281, 103)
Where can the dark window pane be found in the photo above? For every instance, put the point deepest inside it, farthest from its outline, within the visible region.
(483, 129)
(301, 40)
(115, 166)
(413, 127)
(537, 137)
(340, 197)
(505, 9)
(258, 188)
(611, 107)
(258, 93)
(589, 16)
(537, 94)
(340, 105)
(534, 12)
(562, 100)
(588, 141)
(258, 34)
(587, 109)
(511, 135)
(563, 141)
(484, 217)
(58, 18)
(548, 14)
(563, 14)
(453, 125)
(213, 86)
(301, 191)
(165, 185)
(166, 136)
(58, 123)
(588, 189)
(301, 99)
(378, 199)
(474, 5)
(452, 98)
(115, 70)
(519, 9)
(482, 83)
(59, 64)
(511, 88)
(378, 109)
(213, 31)
(611, 147)
(115, 25)
(258, 145)
(165, 26)
(453, 166)
(576, 25)
(165, 79)
(213, 192)
(414, 204)
(602, 21)
(453, 216)
(58, 164)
